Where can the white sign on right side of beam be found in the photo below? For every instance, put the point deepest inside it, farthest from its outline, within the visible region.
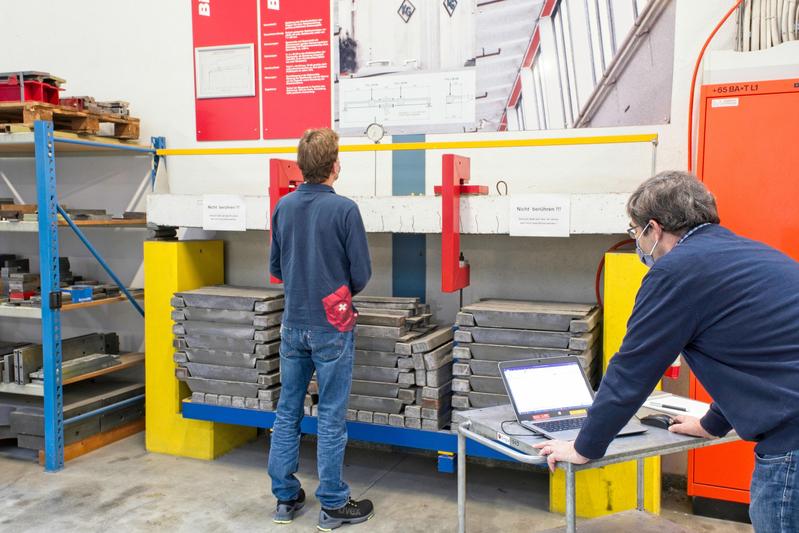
(540, 215)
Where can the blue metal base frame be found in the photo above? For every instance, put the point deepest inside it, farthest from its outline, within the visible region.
(437, 441)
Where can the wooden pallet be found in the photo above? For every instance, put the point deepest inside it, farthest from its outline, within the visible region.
(20, 116)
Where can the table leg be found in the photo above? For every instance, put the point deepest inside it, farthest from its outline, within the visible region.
(640, 484)
(571, 503)
(461, 483)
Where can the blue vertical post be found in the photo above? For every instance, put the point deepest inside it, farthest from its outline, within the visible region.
(158, 143)
(51, 301)
(408, 250)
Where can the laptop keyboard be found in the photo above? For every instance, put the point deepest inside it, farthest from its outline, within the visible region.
(561, 425)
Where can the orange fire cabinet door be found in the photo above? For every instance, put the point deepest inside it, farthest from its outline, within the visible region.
(748, 157)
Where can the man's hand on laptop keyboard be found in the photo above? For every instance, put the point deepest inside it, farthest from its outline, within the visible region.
(558, 451)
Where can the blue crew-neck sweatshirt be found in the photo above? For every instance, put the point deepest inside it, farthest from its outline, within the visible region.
(731, 306)
(318, 244)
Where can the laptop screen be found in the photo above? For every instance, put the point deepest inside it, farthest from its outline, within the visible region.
(548, 389)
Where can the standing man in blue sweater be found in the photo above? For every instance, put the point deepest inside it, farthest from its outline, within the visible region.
(320, 252)
(730, 305)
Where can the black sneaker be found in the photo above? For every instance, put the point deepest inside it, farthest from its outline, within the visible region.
(353, 512)
(284, 514)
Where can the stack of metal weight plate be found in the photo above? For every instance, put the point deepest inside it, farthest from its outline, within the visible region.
(492, 331)
(227, 342)
(402, 373)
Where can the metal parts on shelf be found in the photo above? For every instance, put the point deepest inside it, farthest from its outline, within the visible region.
(227, 341)
(491, 331)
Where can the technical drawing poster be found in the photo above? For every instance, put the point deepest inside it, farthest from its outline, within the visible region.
(296, 66)
(413, 102)
(412, 46)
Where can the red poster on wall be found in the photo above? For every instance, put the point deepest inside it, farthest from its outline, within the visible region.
(296, 67)
(226, 69)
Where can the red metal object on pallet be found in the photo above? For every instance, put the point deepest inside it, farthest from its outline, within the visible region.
(16, 296)
(284, 177)
(29, 91)
(455, 175)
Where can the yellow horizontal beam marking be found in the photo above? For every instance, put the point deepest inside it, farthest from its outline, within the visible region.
(444, 145)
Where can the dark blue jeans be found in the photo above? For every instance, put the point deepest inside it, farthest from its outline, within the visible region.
(331, 355)
(774, 506)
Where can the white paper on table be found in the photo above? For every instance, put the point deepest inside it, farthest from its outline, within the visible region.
(692, 407)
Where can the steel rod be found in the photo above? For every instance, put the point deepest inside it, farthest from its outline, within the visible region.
(104, 409)
(571, 504)
(108, 146)
(461, 482)
(640, 483)
(99, 258)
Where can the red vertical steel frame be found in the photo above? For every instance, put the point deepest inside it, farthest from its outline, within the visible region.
(455, 175)
(284, 177)
(455, 171)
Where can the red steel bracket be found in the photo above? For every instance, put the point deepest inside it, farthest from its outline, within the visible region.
(284, 177)
(454, 184)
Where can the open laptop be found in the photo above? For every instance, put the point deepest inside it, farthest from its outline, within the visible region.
(551, 396)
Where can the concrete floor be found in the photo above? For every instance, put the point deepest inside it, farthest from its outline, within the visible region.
(124, 488)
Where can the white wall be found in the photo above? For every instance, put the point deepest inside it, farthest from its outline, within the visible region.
(145, 56)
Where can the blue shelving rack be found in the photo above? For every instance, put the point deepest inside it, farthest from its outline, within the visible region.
(45, 143)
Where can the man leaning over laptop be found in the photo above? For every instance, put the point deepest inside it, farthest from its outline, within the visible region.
(730, 305)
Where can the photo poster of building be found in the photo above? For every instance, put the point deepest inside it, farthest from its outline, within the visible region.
(427, 66)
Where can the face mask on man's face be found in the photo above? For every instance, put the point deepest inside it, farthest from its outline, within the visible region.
(646, 258)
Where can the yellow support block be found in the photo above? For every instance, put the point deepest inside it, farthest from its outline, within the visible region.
(170, 267)
(612, 489)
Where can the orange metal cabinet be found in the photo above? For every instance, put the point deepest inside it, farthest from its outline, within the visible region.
(748, 157)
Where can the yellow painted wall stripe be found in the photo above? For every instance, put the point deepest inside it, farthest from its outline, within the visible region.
(443, 145)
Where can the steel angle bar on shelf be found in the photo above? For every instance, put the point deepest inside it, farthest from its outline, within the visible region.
(375, 358)
(375, 373)
(392, 332)
(372, 403)
(222, 357)
(518, 337)
(374, 388)
(234, 331)
(230, 388)
(224, 373)
(221, 343)
(479, 400)
(432, 340)
(487, 384)
(227, 297)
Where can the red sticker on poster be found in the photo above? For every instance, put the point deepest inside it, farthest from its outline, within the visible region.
(225, 66)
(295, 59)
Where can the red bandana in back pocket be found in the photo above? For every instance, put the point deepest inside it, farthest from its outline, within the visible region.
(339, 310)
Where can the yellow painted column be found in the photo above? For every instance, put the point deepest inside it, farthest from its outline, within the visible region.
(612, 489)
(170, 267)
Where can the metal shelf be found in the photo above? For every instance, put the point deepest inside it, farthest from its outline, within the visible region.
(43, 145)
(23, 311)
(23, 145)
(436, 441)
(33, 227)
(26, 390)
(127, 360)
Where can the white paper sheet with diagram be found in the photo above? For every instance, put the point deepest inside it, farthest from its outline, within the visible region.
(419, 100)
(225, 71)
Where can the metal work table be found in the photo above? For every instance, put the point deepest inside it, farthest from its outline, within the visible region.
(485, 427)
